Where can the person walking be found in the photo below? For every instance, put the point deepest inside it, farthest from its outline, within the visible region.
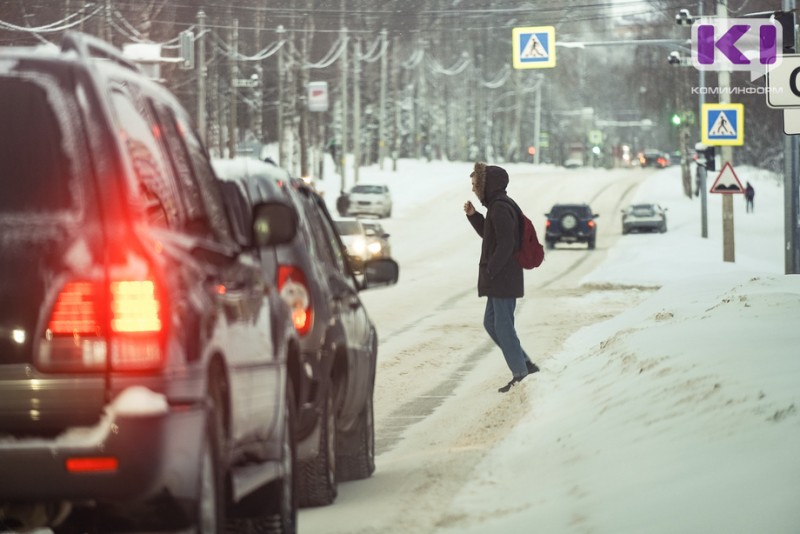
(749, 195)
(500, 277)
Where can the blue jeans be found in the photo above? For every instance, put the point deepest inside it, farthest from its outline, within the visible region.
(498, 319)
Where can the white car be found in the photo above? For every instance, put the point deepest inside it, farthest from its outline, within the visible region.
(355, 240)
(370, 199)
(644, 218)
(377, 239)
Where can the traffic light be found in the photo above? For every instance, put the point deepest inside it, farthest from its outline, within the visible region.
(706, 156)
(711, 158)
(676, 119)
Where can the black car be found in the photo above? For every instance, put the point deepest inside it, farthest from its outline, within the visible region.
(338, 340)
(654, 158)
(571, 223)
(144, 357)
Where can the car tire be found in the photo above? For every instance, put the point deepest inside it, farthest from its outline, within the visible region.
(624, 230)
(356, 458)
(550, 244)
(317, 477)
(591, 243)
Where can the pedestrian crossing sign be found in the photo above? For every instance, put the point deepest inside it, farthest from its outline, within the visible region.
(723, 124)
(534, 47)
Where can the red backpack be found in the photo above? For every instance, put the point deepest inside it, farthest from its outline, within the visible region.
(531, 251)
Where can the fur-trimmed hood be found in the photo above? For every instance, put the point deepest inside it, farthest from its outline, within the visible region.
(489, 181)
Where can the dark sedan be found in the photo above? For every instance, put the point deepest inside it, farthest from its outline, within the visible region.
(338, 341)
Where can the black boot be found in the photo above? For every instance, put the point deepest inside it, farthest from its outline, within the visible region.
(508, 386)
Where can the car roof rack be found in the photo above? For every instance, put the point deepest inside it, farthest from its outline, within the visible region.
(88, 47)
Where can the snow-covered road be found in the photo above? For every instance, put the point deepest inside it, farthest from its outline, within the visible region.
(437, 409)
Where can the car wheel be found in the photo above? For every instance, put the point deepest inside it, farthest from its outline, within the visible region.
(591, 243)
(624, 230)
(356, 458)
(550, 244)
(663, 228)
(317, 477)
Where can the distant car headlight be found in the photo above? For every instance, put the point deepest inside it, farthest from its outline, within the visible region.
(374, 247)
(359, 246)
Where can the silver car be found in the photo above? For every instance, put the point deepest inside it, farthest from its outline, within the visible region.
(370, 199)
(377, 239)
(644, 218)
(354, 238)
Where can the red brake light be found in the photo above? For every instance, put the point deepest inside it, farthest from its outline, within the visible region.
(293, 288)
(92, 329)
(92, 465)
(76, 310)
(591, 224)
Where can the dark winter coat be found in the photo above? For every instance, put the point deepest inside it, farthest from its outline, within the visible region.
(499, 273)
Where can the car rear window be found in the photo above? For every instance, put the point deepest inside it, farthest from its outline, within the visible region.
(580, 211)
(34, 167)
(368, 189)
(643, 211)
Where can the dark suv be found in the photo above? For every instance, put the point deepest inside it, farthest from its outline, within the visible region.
(571, 223)
(338, 341)
(143, 354)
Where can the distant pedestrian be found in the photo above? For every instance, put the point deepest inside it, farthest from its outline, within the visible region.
(749, 195)
(343, 203)
(500, 277)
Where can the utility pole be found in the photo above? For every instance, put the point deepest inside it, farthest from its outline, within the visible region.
(791, 187)
(356, 111)
(305, 131)
(703, 173)
(201, 74)
(537, 137)
(382, 111)
(234, 76)
(724, 82)
(281, 78)
(419, 102)
(396, 115)
(345, 133)
(257, 124)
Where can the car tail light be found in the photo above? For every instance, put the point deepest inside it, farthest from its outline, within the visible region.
(590, 224)
(293, 288)
(99, 464)
(94, 326)
(547, 223)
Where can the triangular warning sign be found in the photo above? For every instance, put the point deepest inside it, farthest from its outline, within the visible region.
(533, 49)
(727, 181)
(722, 127)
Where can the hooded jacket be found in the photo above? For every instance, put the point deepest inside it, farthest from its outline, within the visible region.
(499, 273)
